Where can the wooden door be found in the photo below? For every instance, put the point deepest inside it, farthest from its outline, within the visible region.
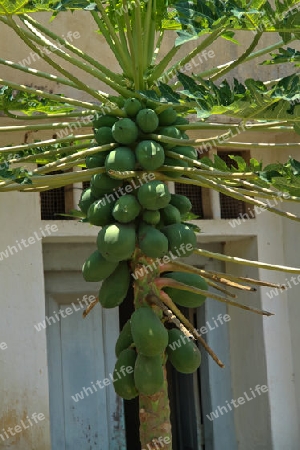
(85, 413)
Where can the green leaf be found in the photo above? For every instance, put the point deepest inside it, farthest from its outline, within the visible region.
(193, 227)
(74, 213)
(168, 94)
(241, 163)
(288, 55)
(295, 165)
(30, 104)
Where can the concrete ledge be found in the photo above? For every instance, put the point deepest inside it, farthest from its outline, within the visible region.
(217, 230)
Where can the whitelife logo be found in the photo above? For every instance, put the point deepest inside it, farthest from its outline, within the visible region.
(236, 403)
(102, 383)
(24, 425)
(25, 243)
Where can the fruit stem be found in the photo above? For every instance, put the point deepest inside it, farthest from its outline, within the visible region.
(169, 303)
(161, 282)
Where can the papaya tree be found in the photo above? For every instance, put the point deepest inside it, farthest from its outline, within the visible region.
(137, 143)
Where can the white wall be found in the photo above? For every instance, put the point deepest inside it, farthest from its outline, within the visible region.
(24, 376)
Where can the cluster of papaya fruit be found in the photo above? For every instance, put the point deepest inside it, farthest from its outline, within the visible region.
(142, 347)
(147, 218)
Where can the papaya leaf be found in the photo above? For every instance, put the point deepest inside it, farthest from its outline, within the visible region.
(284, 55)
(295, 166)
(30, 104)
(241, 163)
(168, 94)
(193, 227)
(74, 213)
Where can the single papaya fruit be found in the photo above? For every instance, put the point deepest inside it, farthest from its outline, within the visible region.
(167, 117)
(180, 236)
(151, 217)
(120, 159)
(100, 212)
(97, 268)
(86, 199)
(132, 106)
(186, 298)
(149, 334)
(182, 352)
(115, 287)
(170, 214)
(116, 242)
(125, 339)
(154, 195)
(123, 375)
(104, 136)
(181, 202)
(104, 121)
(150, 154)
(152, 242)
(102, 184)
(126, 208)
(125, 131)
(96, 160)
(148, 374)
(147, 120)
(170, 131)
(189, 152)
(181, 121)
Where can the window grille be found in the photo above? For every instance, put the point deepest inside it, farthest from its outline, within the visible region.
(231, 207)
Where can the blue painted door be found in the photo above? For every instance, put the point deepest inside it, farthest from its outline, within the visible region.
(85, 412)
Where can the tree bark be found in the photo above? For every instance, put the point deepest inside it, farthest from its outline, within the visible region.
(155, 425)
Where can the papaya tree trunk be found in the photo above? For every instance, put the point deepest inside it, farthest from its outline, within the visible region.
(154, 410)
(155, 425)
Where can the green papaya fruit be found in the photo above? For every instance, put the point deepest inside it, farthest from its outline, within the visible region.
(186, 298)
(167, 117)
(152, 242)
(132, 106)
(183, 354)
(97, 268)
(125, 339)
(181, 202)
(116, 241)
(104, 121)
(104, 136)
(150, 154)
(115, 287)
(148, 374)
(126, 208)
(151, 217)
(86, 199)
(147, 120)
(154, 195)
(170, 214)
(180, 236)
(181, 121)
(100, 212)
(120, 159)
(123, 375)
(189, 152)
(149, 334)
(102, 184)
(125, 131)
(170, 131)
(96, 160)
